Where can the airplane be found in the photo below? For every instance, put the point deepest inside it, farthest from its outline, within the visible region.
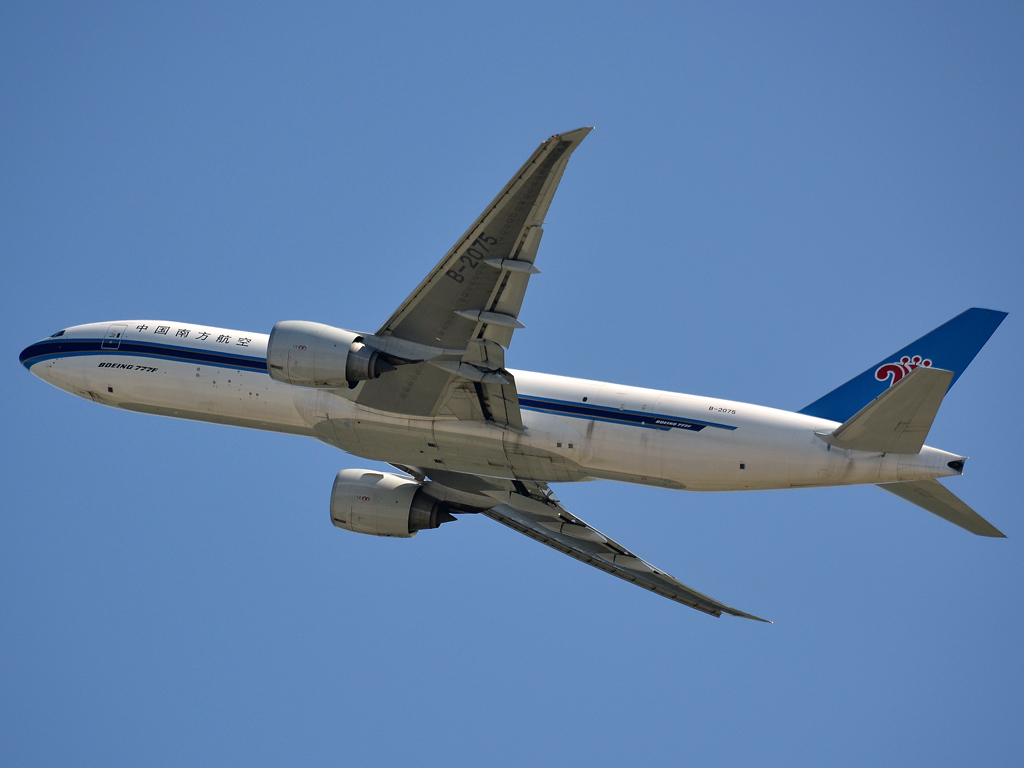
(429, 393)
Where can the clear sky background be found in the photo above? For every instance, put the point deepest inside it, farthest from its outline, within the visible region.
(773, 200)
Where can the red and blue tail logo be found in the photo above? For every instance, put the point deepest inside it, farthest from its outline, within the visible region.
(896, 371)
(950, 347)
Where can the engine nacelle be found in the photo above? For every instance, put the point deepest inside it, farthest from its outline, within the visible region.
(383, 504)
(317, 355)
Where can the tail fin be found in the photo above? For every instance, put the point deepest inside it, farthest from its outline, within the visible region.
(939, 500)
(951, 346)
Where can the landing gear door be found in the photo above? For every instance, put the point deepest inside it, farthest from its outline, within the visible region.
(113, 338)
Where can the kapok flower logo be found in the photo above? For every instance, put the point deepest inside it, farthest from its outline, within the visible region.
(898, 370)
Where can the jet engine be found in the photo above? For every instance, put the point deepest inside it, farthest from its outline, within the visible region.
(316, 355)
(383, 504)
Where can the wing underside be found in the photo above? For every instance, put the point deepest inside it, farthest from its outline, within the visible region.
(531, 509)
(461, 318)
(573, 537)
(448, 340)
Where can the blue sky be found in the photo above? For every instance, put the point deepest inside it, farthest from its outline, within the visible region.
(774, 198)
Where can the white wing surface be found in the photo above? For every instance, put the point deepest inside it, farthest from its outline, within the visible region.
(467, 308)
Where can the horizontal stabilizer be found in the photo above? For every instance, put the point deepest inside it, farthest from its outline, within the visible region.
(898, 420)
(937, 499)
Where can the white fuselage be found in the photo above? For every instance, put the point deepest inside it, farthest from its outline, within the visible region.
(574, 429)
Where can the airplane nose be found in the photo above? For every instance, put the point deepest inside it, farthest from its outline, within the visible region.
(26, 355)
(46, 349)
(34, 353)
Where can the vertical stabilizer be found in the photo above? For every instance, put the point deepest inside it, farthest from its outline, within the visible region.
(952, 346)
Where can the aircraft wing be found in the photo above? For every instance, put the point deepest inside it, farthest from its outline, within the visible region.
(458, 321)
(532, 509)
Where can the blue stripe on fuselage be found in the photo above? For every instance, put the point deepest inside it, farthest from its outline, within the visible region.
(64, 347)
(49, 349)
(615, 415)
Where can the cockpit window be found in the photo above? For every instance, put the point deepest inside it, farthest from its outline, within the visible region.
(58, 333)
